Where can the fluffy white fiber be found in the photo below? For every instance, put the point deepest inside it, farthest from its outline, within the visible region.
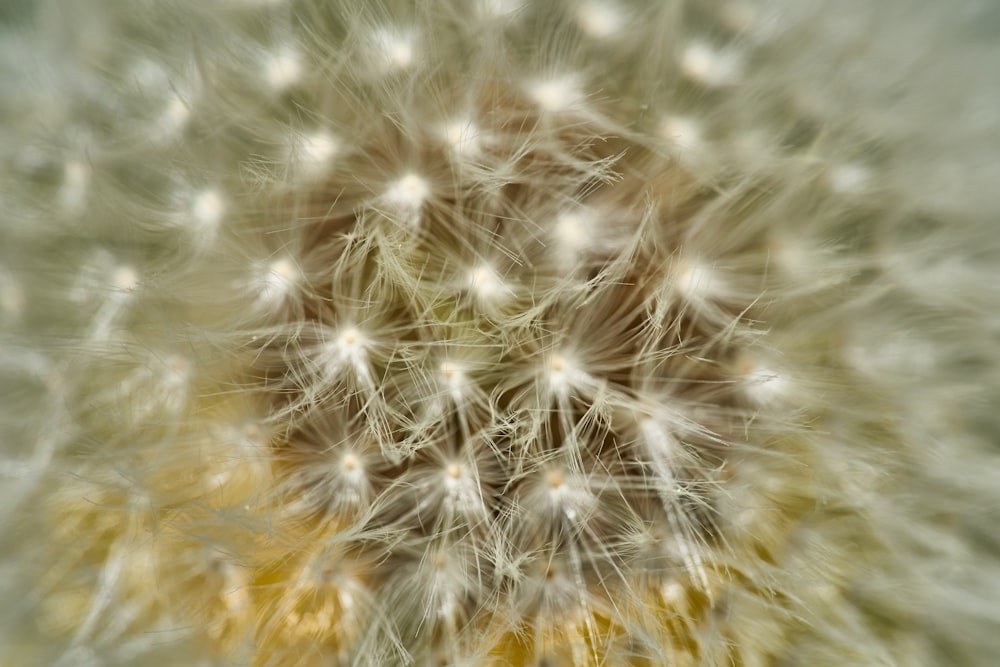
(499, 332)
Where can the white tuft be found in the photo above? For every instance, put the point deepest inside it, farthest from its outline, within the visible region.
(409, 192)
(710, 66)
(696, 281)
(125, 279)
(556, 94)
(600, 20)
(683, 134)
(280, 278)
(282, 69)
(208, 207)
(462, 137)
(75, 186)
(395, 49)
(849, 178)
(312, 154)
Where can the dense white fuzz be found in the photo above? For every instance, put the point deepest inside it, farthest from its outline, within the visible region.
(499, 332)
(711, 66)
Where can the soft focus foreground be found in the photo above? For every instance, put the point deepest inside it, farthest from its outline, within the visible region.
(498, 332)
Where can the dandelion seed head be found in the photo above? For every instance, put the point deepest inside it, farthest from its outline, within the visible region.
(552, 341)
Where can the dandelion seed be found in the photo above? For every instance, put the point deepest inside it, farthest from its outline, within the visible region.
(695, 281)
(396, 49)
(280, 278)
(174, 117)
(573, 234)
(462, 137)
(763, 384)
(600, 20)
(562, 374)
(682, 133)
(409, 192)
(125, 279)
(557, 95)
(75, 186)
(486, 285)
(709, 66)
(350, 464)
(674, 594)
(207, 210)
(312, 154)
(283, 69)
(350, 348)
(849, 178)
(454, 379)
